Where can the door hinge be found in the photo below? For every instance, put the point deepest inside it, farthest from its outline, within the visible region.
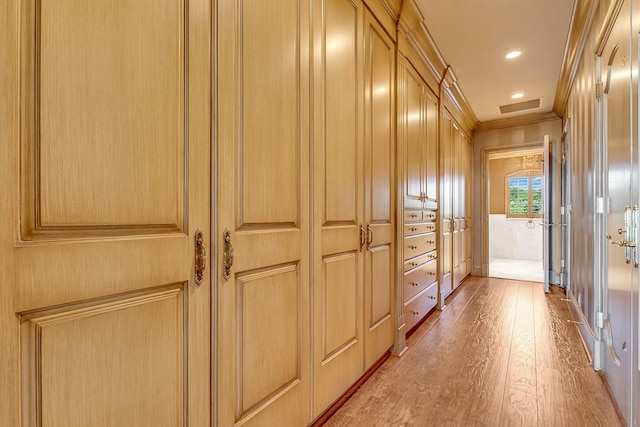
(600, 319)
(599, 91)
(600, 205)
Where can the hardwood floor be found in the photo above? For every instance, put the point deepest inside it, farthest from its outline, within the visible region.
(502, 353)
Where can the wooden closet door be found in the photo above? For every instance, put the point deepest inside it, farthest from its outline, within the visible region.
(379, 65)
(446, 196)
(337, 200)
(412, 135)
(263, 181)
(431, 149)
(106, 131)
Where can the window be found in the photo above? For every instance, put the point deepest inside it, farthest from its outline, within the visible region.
(525, 194)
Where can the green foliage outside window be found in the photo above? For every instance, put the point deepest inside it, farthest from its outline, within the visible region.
(525, 195)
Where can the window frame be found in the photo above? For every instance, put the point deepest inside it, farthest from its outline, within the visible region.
(529, 174)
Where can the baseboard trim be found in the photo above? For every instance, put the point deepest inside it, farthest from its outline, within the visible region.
(331, 410)
(586, 333)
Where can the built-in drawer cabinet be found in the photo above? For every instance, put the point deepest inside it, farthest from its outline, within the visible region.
(420, 253)
(416, 280)
(418, 306)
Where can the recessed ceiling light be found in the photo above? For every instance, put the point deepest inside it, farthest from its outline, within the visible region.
(517, 95)
(513, 54)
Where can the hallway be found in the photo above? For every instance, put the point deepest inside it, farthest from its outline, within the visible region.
(500, 354)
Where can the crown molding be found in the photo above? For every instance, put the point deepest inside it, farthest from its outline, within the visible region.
(411, 24)
(582, 18)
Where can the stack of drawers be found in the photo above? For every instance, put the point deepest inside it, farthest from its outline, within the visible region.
(420, 265)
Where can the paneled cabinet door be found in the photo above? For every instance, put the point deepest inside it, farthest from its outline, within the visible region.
(446, 202)
(431, 149)
(411, 122)
(379, 190)
(109, 322)
(338, 263)
(263, 192)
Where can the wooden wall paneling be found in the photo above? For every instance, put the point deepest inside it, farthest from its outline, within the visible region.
(338, 211)
(115, 146)
(263, 346)
(379, 185)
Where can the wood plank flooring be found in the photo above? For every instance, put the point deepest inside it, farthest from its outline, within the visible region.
(501, 354)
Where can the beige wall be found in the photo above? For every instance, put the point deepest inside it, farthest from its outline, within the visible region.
(508, 139)
(498, 171)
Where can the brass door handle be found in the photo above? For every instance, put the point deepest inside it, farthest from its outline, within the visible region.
(362, 237)
(369, 235)
(200, 257)
(227, 254)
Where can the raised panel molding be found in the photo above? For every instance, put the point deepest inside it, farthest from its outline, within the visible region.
(69, 353)
(268, 334)
(83, 161)
(269, 106)
(381, 292)
(339, 304)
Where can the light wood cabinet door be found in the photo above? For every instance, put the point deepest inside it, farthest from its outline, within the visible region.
(431, 148)
(337, 200)
(263, 347)
(379, 194)
(411, 129)
(448, 133)
(106, 161)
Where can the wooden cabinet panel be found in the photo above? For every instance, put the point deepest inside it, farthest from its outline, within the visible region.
(431, 146)
(379, 189)
(338, 171)
(263, 91)
(456, 199)
(108, 108)
(92, 98)
(412, 131)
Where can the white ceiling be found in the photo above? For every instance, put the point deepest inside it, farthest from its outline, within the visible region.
(475, 35)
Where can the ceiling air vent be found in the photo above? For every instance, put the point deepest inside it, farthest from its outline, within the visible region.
(520, 106)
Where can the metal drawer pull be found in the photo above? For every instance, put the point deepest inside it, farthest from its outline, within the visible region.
(413, 247)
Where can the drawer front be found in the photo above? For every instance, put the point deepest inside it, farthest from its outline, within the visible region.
(419, 306)
(419, 228)
(429, 215)
(419, 279)
(412, 216)
(419, 244)
(415, 262)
